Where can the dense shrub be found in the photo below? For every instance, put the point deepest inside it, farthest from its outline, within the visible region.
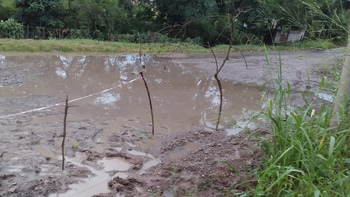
(11, 29)
(78, 34)
(148, 37)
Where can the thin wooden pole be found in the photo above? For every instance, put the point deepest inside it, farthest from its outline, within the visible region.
(64, 130)
(150, 101)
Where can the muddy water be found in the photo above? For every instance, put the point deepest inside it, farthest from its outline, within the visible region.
(182, 94)
(96, 184)
(118, 164)
(183, 97)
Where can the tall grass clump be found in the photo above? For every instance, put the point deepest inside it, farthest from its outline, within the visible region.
(303, 156)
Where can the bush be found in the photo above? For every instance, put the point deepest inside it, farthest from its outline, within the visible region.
(78, 34)
(11, 29)
(149, 37)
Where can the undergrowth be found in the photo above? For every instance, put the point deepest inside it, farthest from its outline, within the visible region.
(86, 45)
(303, 155)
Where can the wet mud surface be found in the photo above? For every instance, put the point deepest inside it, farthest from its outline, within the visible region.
(109, 148)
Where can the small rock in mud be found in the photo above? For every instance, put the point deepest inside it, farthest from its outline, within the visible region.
(117, 154)
(120, 185)
(12, 190)
(137, 167)
(6, 176)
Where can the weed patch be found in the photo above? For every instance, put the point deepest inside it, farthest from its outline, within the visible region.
(304, 156)
(85, 45)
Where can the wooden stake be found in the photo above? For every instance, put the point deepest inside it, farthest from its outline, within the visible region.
(150, 101)
(64, 130)
(218, 69)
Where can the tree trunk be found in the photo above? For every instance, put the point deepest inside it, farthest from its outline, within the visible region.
(344, 87)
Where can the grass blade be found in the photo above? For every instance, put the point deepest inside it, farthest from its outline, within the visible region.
(317, 193)
(283, 175)
(331, 146)
(323, 83)
(233, 169)
(347, 160)
(288, 90)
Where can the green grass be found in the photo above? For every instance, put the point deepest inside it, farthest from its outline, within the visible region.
(154, 48)
(304, 156)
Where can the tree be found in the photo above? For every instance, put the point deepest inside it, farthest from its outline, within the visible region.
(144, 19)
(177, 11)
(192, 17)
(101, 15)
(39, 12)
(6, 11)
(70, 13)
(112, 16)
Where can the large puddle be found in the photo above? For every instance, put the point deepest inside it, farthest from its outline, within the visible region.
(182, 95)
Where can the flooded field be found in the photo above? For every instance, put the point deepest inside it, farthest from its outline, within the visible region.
(109, 147)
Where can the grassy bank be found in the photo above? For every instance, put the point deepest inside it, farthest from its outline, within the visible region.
(302, 155)
(154, 48)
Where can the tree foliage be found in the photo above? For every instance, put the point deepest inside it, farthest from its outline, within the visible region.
(6, 11)
(39, 12)
(201, 19)
(11, 29)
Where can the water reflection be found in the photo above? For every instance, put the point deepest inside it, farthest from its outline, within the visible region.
(2, 59)
(107, 98)
(182, 94)
(62, 73)
(326, 97)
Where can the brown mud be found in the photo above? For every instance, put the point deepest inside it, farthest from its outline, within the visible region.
(109, 148)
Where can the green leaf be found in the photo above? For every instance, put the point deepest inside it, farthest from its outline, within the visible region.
(323, 82)
(283, 175)
(320, 156)
(305, 100)
(317, 193)
(347, 160)
(331, 146)
(288, 89)
(266, 55)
